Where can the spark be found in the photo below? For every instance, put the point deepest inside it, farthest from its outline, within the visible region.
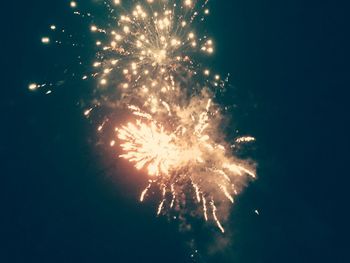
(173, 195)
(32, 86)
(160, 207)
(245, 139)
(45, 40)
(216, 218)
(205, 209)
(73, 4)
(197, 192)
(144, 192)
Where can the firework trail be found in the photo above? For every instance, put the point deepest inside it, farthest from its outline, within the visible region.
(148, 61)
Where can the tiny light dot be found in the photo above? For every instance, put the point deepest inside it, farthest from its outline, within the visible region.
(73, 4)
(45, 40)
(33, 86)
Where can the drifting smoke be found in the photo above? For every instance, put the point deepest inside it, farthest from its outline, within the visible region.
(148, 62)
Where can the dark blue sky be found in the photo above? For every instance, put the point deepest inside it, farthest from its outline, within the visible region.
(63, 201)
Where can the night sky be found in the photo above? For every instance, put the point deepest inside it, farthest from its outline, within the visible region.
(64, 200)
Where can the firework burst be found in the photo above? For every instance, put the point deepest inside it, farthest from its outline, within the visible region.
(147, 60)
(183, 154)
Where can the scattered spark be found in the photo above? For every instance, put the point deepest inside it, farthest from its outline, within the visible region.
(73, 4)
(216, 218)
(205, 209)
(87, 112)
(45, 40)
(245, 139)
(33, 86)
(144, 192)
(160, 207)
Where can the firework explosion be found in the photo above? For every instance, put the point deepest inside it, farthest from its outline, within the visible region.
(148, 62)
